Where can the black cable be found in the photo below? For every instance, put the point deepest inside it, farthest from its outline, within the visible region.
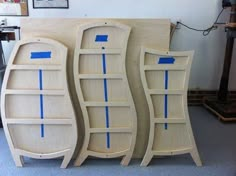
(207, 31)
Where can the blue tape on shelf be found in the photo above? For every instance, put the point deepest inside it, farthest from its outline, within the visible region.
(105, 90)
(104, 63)
(107, 125)
(101, 38)
(166, 98)
(166, 79)
(166, 110)
(42, 130)
(106, 98)
(40, 80)
(41, 101)
(41, 55)
(166, 60)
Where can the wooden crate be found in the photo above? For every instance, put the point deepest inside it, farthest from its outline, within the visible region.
(37, 113)
(165, 78)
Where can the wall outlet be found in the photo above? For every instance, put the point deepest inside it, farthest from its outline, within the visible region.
(3, 22)
(178, 26)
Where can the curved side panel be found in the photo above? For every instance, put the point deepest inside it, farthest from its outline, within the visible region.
(103, 91)
(165, 77)
(37, 112)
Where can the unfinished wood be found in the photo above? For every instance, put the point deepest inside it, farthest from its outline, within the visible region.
(107, 91)
(36, 67)
(170, 129)
(36, 109)
(39, 121)
(154, 33)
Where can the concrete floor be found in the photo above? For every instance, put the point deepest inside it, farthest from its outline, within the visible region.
(216, 143)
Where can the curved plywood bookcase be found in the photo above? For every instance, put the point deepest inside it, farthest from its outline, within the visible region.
(37, 113)
(103, 91)
(165, 77)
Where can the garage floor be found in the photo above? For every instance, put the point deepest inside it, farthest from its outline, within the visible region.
(216, 143)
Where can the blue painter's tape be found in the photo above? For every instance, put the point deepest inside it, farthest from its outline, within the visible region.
(107, 116)
(166, 60)
(166, 79)
(106, 98)
(42, 130)
(41, 115)
(41, 55)
(107, 125)
(41, 107)
(40, 80)
(105, 90)
(101, 38)
(166, 106)
(104, 63)
(166, 98)
(108, 140)
(166, 110)
(41, 101)
(166, 126)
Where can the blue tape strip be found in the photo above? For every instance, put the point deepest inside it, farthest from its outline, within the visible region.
(166, 110)
(41, 55)
(106, 98)
(166, 60)
(166, 98)
(105, 90)
(107, 125)
(166, 79)
(101, 38)
(42, 130)
(40, 79)
(41, 101)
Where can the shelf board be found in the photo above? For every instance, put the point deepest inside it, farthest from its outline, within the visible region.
(172, 152)
(110, 130)
(39, 121)
(36, 67)
(100, 51)
(163, 67)
(165, 92)
(170, 120)
(103, 104)
(100, 76)
(34, 92)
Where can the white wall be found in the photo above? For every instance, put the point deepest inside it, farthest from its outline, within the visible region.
(209, 51)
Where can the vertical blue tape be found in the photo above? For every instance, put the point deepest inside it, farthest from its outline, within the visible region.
(166, 110)
(166, 98)
(40, 80)
(107, 125)
(166, 79)
(106, 98)
(41, 101)
(105, 90)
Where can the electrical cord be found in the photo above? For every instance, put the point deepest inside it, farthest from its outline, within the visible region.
(207, 31)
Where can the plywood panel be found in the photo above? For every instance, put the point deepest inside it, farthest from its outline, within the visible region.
(149, 32)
